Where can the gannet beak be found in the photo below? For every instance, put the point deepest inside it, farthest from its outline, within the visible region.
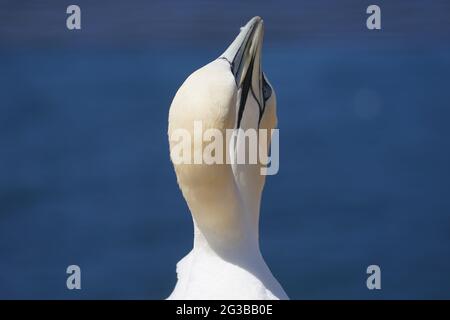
(245, 48)
(244, 56)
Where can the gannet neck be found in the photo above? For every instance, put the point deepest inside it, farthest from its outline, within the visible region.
(223, 248)
(235, 271)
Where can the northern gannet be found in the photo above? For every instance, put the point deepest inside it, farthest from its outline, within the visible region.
(231, 92)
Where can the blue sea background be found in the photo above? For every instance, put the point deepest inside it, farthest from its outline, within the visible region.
(85, 175)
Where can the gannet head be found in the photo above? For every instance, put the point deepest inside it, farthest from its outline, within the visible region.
(232, 93)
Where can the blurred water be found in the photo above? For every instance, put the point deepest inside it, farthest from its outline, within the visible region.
(85, 176)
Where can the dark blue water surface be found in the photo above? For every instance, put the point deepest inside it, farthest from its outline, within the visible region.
(85, 175)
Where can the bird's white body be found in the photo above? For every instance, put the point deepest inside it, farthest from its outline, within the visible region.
(224, 199)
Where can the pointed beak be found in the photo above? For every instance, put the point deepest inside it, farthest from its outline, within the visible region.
(245, 49)
(244, 56)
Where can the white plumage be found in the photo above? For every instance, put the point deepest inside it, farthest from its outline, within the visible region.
(230, 92)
